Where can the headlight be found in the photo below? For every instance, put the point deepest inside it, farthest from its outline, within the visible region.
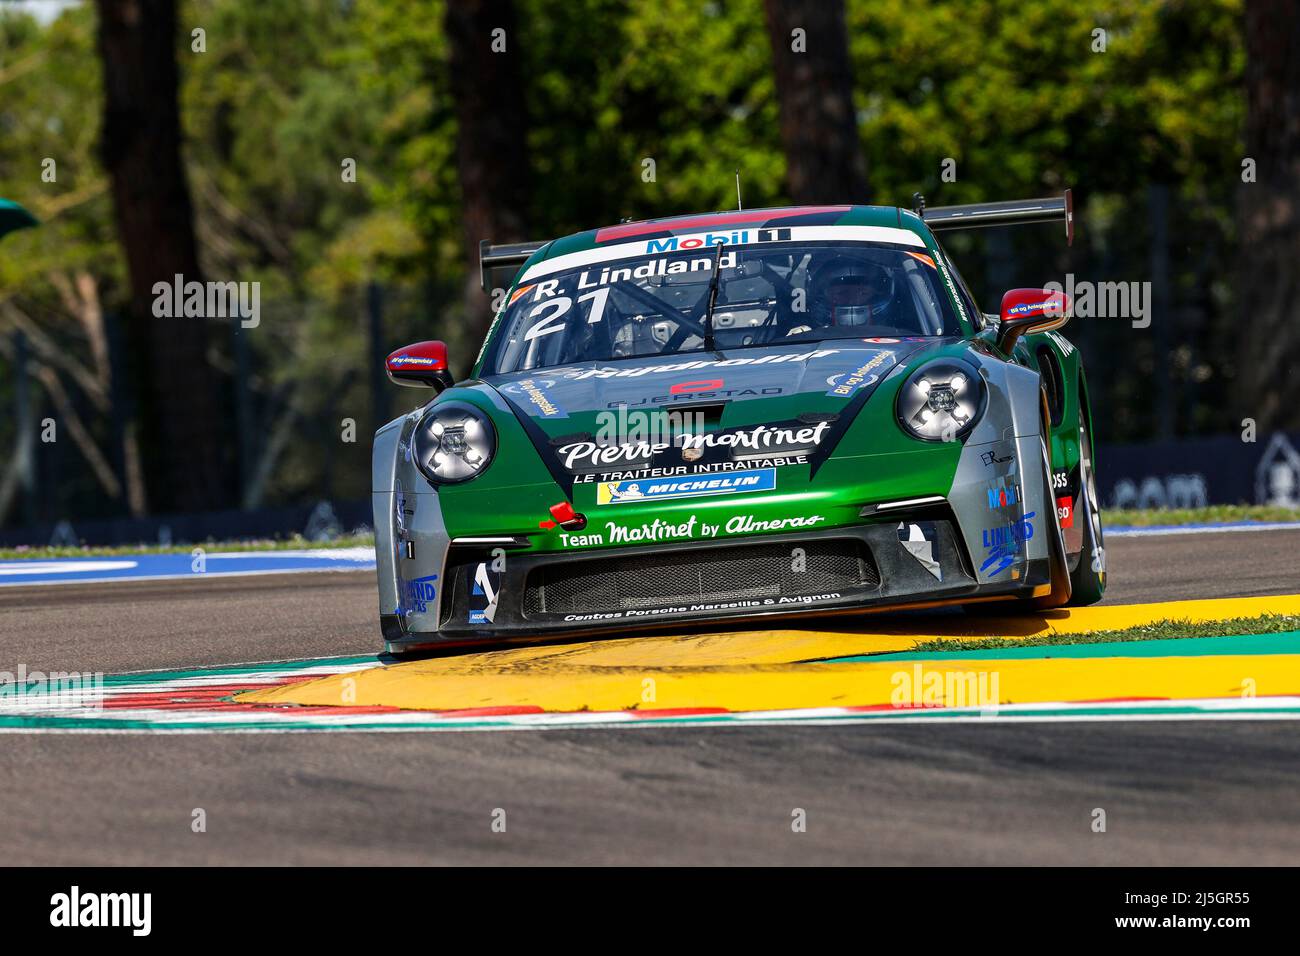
(453, 442)
(941, 401)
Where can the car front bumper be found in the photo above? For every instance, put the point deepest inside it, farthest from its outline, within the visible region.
(833, 571)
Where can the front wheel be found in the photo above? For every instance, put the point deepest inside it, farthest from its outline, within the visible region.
(1088, 579)
(1058, 562)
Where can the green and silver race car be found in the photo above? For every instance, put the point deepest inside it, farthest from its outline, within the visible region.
(754, 414)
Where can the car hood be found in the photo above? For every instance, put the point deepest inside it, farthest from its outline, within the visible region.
(783, 404)
(824, 377)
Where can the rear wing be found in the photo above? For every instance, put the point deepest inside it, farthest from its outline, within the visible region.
(1012, 212)
(498, 257)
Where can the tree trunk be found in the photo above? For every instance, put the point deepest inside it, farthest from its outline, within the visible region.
(1268, 214)
(814, 88)
(189, 458)
(491, 121)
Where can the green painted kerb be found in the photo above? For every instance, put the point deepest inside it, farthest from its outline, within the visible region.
(1285, 642)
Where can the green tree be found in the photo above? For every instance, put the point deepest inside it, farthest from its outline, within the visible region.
(141, 153)
(1268, 210)
(814, 84)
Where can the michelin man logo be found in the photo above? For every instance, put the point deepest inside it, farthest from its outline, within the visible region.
(631, 490)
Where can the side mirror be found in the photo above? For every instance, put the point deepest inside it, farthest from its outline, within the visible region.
(1027, 311)
(422, 365)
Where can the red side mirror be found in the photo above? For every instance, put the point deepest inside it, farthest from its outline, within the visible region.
(1028, 311)
(423, 364)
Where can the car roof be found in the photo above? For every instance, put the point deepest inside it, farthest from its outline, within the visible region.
(773, 217)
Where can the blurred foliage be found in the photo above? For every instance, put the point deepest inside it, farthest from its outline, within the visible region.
(1017, 96)
(287, 91)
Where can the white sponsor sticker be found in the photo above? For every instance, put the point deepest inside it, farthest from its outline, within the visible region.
(637, 248)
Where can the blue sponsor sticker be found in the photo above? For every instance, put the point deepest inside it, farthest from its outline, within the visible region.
(1002, 494)
(538, 393)
(1004, 544)
(420, 593)
(847, 384)
(484, 589)
(685, 486)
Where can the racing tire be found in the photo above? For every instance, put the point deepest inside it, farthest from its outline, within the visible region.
(1088, 579)
(1062, 580)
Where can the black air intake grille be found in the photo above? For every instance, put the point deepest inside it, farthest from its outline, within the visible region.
(713, 575)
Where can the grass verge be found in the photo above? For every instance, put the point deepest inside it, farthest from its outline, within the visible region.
(1155, 631)
(1156, 517)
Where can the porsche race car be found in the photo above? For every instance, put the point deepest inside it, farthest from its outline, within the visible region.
(745, 415)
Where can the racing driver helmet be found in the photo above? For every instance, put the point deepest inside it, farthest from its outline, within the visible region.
(848, 291)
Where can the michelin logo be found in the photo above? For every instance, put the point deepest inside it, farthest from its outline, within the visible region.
(690, 486)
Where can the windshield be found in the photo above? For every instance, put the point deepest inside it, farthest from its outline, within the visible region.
(783, 293)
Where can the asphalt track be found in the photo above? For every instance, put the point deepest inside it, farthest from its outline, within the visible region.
(1173, 793)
